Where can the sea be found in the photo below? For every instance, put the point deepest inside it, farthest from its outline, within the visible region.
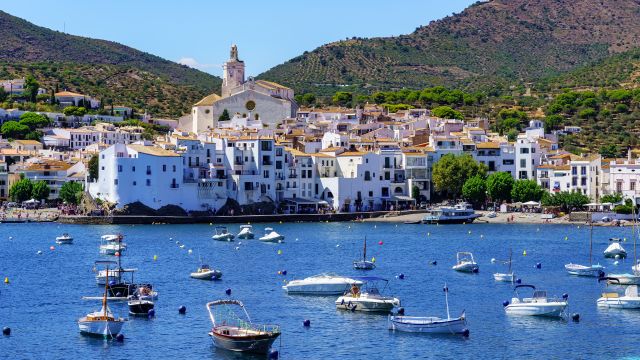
(42, 300)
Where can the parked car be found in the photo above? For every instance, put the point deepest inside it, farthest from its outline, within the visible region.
(12, 204)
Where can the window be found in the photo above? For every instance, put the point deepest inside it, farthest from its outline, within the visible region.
(583, 170)
(632, 186)
(266, 145)
(134, 183)
(266, 174)
(115, 181)
(164, 168)
(278, 165)
(133, 169)
(523, 163)
(174, 168)
(367, 176)
(524, 150)
(148, 182)
(148, 169)
(119, 168)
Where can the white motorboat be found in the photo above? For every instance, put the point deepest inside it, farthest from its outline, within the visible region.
(628, 299)
(368, 297)
(205, 272)
(322, 284)
(591, 270)
(112, 244)
(64, 239)
(233, 330)
(222, 234)
(101, 276)
(509, 276)
(458, 214)
(626, 279)
(537, 305)
(364, 264)
(246, 232)
(634, 278)
(271, 236)
(430, 324)
(465, 263)
(615, 249)
(101, 323)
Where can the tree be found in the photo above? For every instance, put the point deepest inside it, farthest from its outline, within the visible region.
(93, 167)
(31, 87)
(224, 116)
(612, 198)
(71, 192)
(40, 190)
(510, 119)
(474, 190)
(309, 99)
(499, 186)
(551, 122)
(21, 190)
(14, 130)
(446, 112)
(34, 120)
(452, 171)
(342, 98)
(3, 94)
(609, 151)
(415, 192)
(526, 190)
(74, 111)
(565, 200)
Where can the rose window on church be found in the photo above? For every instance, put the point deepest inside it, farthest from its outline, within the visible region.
(250, 105)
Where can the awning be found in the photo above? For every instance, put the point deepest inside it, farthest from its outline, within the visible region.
(402, 198)
(531, 203)
(302, 201)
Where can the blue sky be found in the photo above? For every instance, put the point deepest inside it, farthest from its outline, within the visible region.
(199, 32)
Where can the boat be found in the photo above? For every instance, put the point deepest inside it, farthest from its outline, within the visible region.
(591, 270)
(271, 236)
(141, 301)
(509, 276)
(364, 264)
(101, 275)
(367, 297)
(615, 249)
(222, 234)
(466, 263)
(112, 244)
(101, 323)
(235, 332)
(539, 304)
(461, 213)
(64, 239)
(246, 232)
(205, 272)
(322, 284)
(633, 278)
(430, 324)
(628, 299)
(492, 215)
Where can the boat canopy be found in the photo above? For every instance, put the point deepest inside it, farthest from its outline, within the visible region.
(524, 286)
(609, 278)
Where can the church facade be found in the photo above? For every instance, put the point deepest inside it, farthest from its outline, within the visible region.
(254, 99)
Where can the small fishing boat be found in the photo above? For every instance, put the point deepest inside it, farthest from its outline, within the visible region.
(591, 270)
(368, 297)
(509, 276)
(271, 236)
(322, 284)
(536, 305)
(101, 323)
(205, 272)
(465, 263)
(628, 299)
(64, 239)
(430, 324)
(615, 249)
(246, 232)
(233, 330)
(364, 264)
(141, 302)
(112, 244)
(222, 234)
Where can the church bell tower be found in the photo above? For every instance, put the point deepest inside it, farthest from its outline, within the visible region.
(232, 73)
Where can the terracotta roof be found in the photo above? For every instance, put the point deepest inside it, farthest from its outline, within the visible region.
(333, 148)
(488, 145)
(272, 85)
(208, 100)
(28, 142)
(152, 150)
(353, 153)
(322, 155)
(67, 93)
(47, 165)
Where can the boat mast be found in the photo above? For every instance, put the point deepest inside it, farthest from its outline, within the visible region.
(590, 239)
(364, 252)
(633, 229)
(106, 289)
(510, 254)
(446, 299)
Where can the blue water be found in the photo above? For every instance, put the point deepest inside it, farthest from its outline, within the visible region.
(43, 300)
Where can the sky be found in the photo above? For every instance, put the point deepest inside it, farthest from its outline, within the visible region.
(199, 33)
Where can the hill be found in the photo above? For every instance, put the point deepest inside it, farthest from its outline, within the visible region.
(101, 68)
(491, 44)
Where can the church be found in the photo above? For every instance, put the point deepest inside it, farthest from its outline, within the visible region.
(260, 100)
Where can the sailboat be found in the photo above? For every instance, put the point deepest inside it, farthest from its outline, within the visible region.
(430, 324)
(634, 277)
(509, 276)
(101, 323)
(364, 264)
(593, 270)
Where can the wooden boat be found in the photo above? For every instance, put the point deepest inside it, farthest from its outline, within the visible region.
(235, 332)
(101, 323)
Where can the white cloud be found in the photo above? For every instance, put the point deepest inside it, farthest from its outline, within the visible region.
(193, 63)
